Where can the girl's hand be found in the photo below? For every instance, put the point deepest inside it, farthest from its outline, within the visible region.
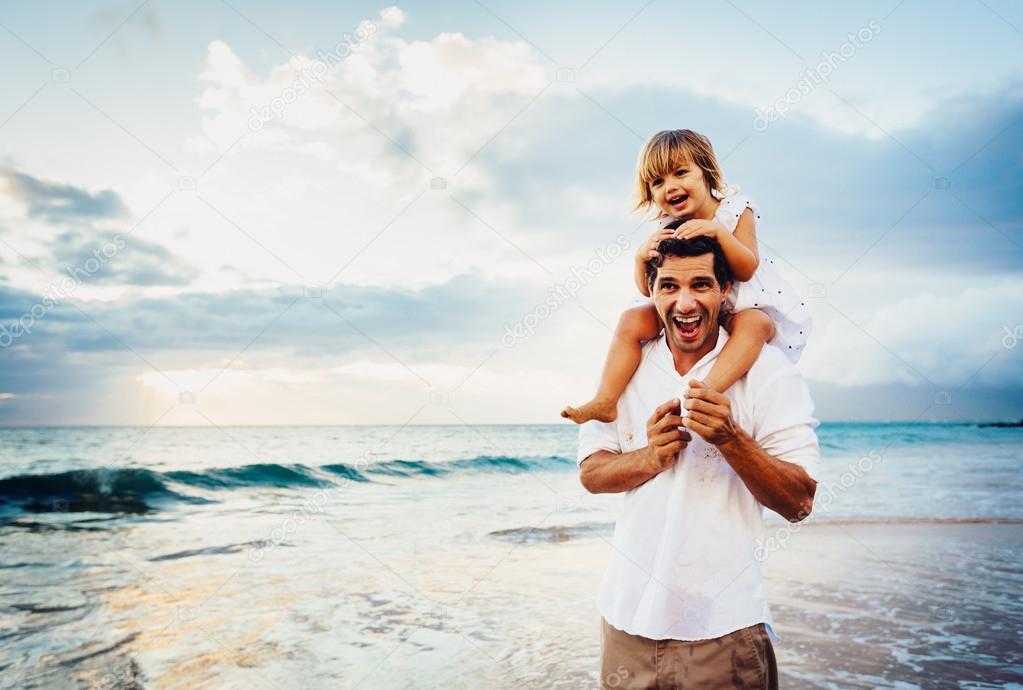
(698, 228)
(648, 250)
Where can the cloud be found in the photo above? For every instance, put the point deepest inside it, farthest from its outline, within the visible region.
(270, 344)
(965, 335)
(57, 202)
(558, 175)
(119, 260)
(333, 185)
(64, 229)
(111, 18)
(435, 101)
(845, 70)
(942, 196)
(465, 311)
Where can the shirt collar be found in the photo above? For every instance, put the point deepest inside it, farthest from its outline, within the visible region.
(704, 362)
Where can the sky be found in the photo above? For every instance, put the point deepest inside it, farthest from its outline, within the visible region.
(227, 213)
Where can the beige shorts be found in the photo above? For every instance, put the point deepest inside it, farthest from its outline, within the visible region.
(741, 659)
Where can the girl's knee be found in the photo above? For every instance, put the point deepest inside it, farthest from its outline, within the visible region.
(756, 322)
(639, 323)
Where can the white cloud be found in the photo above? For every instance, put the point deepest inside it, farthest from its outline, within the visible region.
(452, 70)
(343, 142)
(444, 98)
(392, 17)
(948, 338)
(320, 188)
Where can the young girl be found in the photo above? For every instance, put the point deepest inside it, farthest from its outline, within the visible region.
(678, 173)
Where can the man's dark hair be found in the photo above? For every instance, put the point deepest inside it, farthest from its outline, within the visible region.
(697, 246)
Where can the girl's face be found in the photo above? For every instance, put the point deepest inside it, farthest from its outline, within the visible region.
(683, 193)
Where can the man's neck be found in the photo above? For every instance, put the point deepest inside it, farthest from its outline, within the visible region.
(684, 361)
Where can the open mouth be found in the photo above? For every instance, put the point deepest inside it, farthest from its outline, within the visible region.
(687, 325)
(678, 201)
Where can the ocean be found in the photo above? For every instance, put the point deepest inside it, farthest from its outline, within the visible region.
(470, 557)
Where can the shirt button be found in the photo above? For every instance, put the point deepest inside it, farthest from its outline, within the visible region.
(628, 437)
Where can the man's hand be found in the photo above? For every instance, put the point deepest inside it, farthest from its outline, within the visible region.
(605, 472)
(700, 228)
(710, 414)
(664, 437)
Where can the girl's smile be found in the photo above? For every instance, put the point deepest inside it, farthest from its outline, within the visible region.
(683, 193)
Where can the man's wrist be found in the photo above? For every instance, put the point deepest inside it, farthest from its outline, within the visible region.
(651, 463)
(733, 442)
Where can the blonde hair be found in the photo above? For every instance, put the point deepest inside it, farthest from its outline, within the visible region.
(668, 150)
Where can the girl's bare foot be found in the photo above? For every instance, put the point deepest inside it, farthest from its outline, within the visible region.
(598, 409)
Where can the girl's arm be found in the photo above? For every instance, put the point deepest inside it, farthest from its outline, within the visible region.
(744, 258)
(640, 276)
(648, 250)
(749, 330)
(740, 247)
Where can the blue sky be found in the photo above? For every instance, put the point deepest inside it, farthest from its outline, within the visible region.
(251, 213)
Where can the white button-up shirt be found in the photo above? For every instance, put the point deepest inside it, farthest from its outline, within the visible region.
(684, 564)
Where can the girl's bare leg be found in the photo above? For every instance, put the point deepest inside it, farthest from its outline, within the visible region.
(623, 357)
(749, 331)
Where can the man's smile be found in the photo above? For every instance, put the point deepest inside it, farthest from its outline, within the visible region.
(687, 326)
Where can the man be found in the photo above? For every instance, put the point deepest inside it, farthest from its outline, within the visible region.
(683, 600)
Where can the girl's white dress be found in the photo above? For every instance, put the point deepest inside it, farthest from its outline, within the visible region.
(767, 290)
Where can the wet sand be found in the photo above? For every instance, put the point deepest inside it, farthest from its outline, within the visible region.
(857, 604)
(474, 582)
(900, 605)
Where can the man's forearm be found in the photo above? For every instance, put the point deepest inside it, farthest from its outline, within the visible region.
(782, 486)
(611, 473)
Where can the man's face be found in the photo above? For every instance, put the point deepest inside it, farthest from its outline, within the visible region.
(688, 300)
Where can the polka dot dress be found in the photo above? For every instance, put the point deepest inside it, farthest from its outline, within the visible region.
(767, 290)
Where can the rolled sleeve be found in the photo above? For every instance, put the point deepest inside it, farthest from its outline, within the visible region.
(784, 422)
(594, 436)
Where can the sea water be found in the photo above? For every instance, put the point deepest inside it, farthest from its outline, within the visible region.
(468, 556)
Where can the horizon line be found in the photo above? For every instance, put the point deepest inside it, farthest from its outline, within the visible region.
(508, 424)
